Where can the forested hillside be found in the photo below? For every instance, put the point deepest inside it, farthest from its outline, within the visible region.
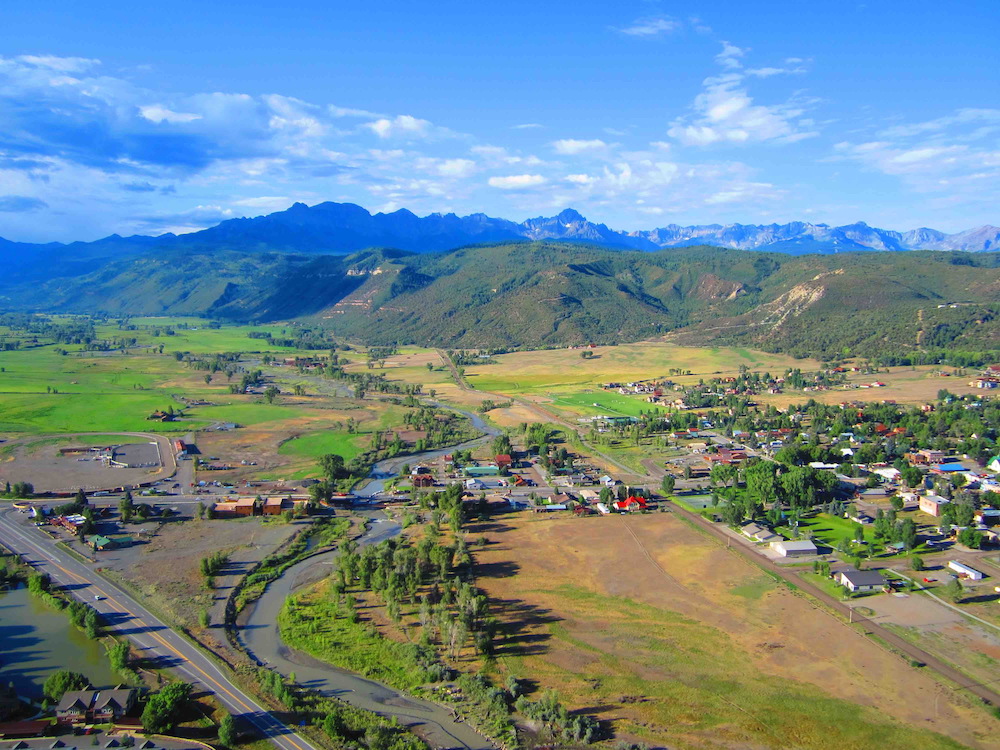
(521, 294)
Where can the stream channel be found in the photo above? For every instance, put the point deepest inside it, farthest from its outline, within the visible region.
(262, 639)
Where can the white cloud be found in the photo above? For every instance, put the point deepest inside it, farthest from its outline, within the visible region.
(730, 56)
(405, 126)
(336, 111)
(266, 202)
(966, 116)
(61, 64)
(651, 26)
(527, 126)
(724, 111)
(580, 179)
(573, 147)
(743, 193)
(456, 167)
(158, 113)
(517, 181)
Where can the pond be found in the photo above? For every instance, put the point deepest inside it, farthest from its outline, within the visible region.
(37, 640)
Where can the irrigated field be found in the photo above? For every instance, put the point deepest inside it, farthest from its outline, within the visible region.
(47, 389)
(678, 642)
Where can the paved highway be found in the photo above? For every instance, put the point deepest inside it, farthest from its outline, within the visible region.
(127, 617)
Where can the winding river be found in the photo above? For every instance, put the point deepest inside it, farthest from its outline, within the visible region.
(262, 639)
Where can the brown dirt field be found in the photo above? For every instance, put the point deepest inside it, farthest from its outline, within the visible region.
(904, 385)
(166, 570)
(513, 416)
(678, 641)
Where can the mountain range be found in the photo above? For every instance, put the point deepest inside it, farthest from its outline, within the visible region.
(343, 228)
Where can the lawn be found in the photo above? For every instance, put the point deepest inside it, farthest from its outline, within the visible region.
(316, 444)
(829, 530)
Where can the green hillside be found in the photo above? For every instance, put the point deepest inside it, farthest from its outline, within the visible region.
(548, 293)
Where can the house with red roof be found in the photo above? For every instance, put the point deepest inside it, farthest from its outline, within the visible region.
(631, 504)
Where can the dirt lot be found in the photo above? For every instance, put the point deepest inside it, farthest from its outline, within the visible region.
(166, 568)
(677, 641)
(38, 461)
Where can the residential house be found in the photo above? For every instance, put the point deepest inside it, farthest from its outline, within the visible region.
(424, 480)
(759, 533)
(94, 706)
(861, 580)
(631, 504)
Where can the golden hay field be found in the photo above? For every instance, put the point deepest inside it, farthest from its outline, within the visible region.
(679, 642)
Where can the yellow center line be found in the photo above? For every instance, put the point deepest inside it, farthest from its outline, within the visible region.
(170, 648)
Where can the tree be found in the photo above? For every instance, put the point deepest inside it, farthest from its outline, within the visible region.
(333, 466)
(912, 476)
(59, 683)
(126, 509)
(762, 484)
(970, 538)
(668, 484)
(270, 393)
(22, 490)
(163, 708)
(228, 735)
(916, 562)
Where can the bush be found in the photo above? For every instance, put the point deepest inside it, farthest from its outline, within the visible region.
(228, 735)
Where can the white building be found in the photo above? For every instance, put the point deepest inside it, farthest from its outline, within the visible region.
(788, 548)
(964, 570)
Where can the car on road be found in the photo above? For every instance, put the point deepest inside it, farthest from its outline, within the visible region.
(98, 598)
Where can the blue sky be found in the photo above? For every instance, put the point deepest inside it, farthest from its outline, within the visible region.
(126, 117)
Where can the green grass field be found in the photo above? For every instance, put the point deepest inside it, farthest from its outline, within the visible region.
(198, 338)
(316, 444)
(604, 403)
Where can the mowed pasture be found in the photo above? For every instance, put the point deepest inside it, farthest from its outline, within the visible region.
(676, 641)
(600, 402)
(197, 337)
(42, 392)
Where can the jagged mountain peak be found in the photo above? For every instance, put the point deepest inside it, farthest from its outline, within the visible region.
(341, 228)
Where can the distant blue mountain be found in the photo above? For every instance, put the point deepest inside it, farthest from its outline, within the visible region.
(343, 228)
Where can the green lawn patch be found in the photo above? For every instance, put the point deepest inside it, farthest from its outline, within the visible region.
(316, 444)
